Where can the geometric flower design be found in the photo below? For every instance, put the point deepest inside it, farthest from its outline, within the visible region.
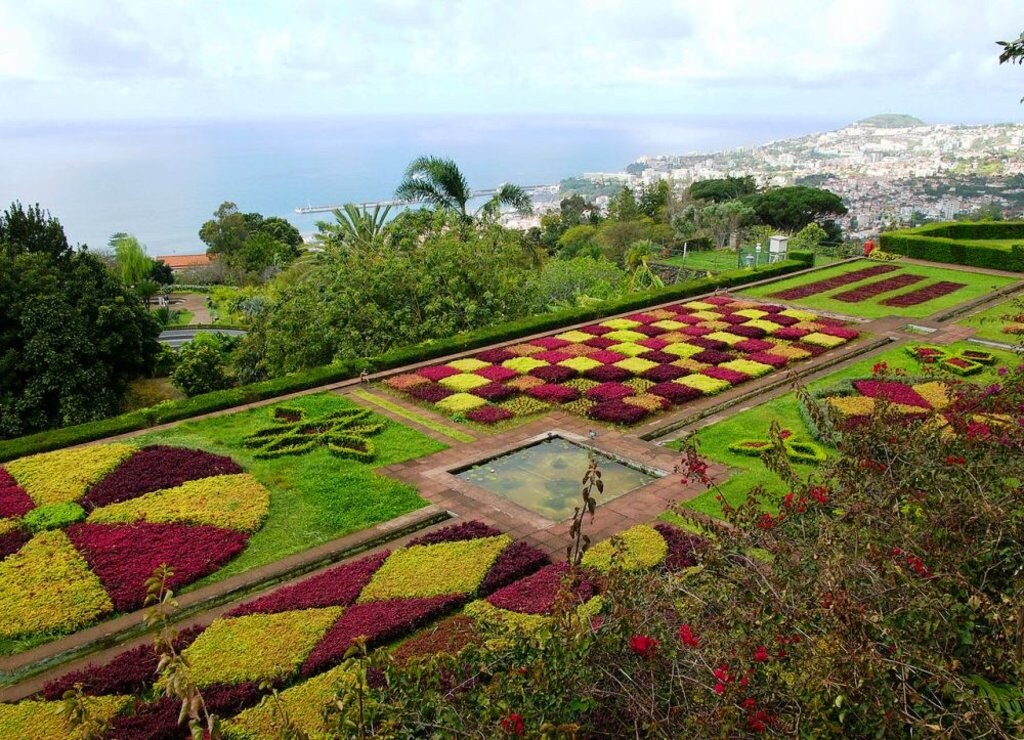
(70, 574)
(344, 433)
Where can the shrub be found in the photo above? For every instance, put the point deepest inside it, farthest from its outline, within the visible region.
(675, 392)
(609, 392)
(200, 369)
(608, 374)
(554, 373)
(430, 392)
(14, 502)
(497, 373)
(665, 373)
(53, 516)
(961, 365)
(961, 244)
(552, 393)
(494, 392)
(489, 415)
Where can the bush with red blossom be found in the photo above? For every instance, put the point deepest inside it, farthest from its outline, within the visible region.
(489, 414)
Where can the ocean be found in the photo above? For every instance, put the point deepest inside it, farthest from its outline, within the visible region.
(162, 180)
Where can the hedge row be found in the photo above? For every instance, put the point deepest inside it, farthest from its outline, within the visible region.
(169, 411)
(961, 244)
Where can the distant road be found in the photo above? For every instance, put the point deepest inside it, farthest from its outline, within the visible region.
(174, 338)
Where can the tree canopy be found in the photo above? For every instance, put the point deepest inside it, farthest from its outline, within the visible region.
(792, 208)
(438, 182)
(723, 189)
(248, 242)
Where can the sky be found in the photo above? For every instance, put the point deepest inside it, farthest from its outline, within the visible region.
(82, 60)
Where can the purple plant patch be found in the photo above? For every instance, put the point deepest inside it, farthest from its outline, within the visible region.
(11, 542)
(866, 292)
(751, 332)
(770, 308)
(790, 332)
(922, 295)
(494, 392)
(379, 622)
(682, 547)
(696, 331)
(616, 412)
(609, 392)
(553, 373)
(783, 320)
(675, 392)
(489, 414)
(707, 343)
(158, 720)
(497, 356)
(766, 358)
(654, 343)
(596, 330)
(650, 331)
(536, 594)
(549, 342)
(338, 586)
(713, 357)
(600, 342)
(643, 318)
(461, 532)
(665, 373)
(606, 356)
(656, 356)
(517, 560)
(437, 372)
(608, 374)
(723, 373)
(753, 345)
(891, 391)
(813, 349)
(553, 393)
(820, 286)
(842, 332)
(718, 300)
(552, 356)
(497, 373)
(14, 502)
(153, 468)
(732, 318)
(429, 392)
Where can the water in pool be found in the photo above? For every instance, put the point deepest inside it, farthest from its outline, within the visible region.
(545, 477)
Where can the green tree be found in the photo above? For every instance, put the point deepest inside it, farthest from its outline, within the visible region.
(248, 242)
(654, 201)
(439, 182)
(71, 335)
(578, 240)
(353, 227)
(792, 208)
(130, 259)
(809, 238)
(200, 369)
(226, 231)
(723, 189)
(623, 207)
(565, 283)
(161, 274)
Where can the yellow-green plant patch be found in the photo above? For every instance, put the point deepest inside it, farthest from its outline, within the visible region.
(580, 364)
(625, 335)
(707, 385)
(748, 367)
(44, 720)
(574, 336)
(458, 403)
(65, 475)
(636, 548)
(463, 381)
(620, 323)
(681, 349)
(630, 349)
(636, 365)
(523, 365)
(724, 336)
(468, 365)
(823, 340)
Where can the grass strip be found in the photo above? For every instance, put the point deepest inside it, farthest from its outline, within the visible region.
(423, 421)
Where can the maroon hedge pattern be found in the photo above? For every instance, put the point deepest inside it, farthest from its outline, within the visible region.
(123, 556)
(14, 502)
(11, 542)
(517, 560)
(335, 587)
(923, 295)
(821, 286)
(158, 720)
(682, 547)
(536, 594)
(617, 412)
(489, 415)
(153, 468)
(866, 292)
(462, 532)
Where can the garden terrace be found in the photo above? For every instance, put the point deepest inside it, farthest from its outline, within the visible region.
(995, 245)
(1003, 323)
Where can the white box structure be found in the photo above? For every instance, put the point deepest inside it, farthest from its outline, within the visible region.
(778, 245)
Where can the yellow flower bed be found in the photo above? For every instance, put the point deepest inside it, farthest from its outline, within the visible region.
(642, 547)
(646, 401)
(523, 365)
(628, 348)
(458, 403)
(625, 335)
(705, 384)
(748, 367)
(824, 340)
(700, 306)
(682, 349)
(47, 586)
(764, 324)
(724, 336)
(751, 313)
(258, 647)
(43, 720)
(852, 405)
(707, 315)
(785, 349)
(574, 336)
(235, 501)
(580, 364)
(934, 392)
(799, 314)
(463, 381)
(65, 475)
(619, 324)
(435, 570)
(8, 525)
(468, 365)
(669, 325)
(303, 703)
(635, 365)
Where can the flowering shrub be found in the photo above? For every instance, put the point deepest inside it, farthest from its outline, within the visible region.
(258, 647)
(821, 286)
(459, 403)
(64, 475)
(489, 415)
(923, 295)
(872, 290)
(431, 570)
(463, 382)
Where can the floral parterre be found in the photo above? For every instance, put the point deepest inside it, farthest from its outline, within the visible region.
(624, 369)
(82, 530)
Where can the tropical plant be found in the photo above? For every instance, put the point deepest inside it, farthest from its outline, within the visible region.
(354, 226)
(440, 183)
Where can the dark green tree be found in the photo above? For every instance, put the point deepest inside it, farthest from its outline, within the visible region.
(161, 274)
(71, 335)
(623, 207)
(723, 189)
(792, 208)
(200, 369)
(248, 242)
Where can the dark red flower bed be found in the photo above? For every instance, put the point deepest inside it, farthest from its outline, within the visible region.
(123, 556)
(489, 414)
(839, 331)
(751, 332)
(616, 412)
(379, 622)
(643, 318)
(770, 308)
(158, 720)
(429, 392)
(713, 357)
(653, 343)
(494, 392)
(659, 357)
(437, 372)
(130, 672)
(596, 329)
(609, 392)
(460, 532)
(338, 586)
(723, 373)
(685, 318)
(517, 560)
(813, 350)
(891, 391)
(608, 374)
(553, 373)
(549, 342)
(665, 373)
(923, 295)
(448, 637)
(600, 342)
(606, 356)
(682, 547)
(753, 345)
(732, 318)
(11, 542)
(553, 356)
(13, 499)
(153, 468)
(496, 373)
(767, 358)
(696, 331)
(718, 300)
(706, 343)
(790, 332)
(553, 393)
(675, 392)
(866, 292)
(782, 320)
(651, 331)
(536, 594)
(497, 356)
(820, 286)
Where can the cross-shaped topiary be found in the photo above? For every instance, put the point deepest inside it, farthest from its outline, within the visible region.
(343, 433)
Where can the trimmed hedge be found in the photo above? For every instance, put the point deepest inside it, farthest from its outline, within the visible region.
(170, 411)
(961, 244)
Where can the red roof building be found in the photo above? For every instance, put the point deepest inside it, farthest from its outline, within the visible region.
(185, 261)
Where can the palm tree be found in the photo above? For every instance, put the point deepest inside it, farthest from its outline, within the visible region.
(353, 226)
(440, 183)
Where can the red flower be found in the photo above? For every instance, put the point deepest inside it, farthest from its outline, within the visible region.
(719, 688)
(761, 654)
(878, 368)
(787, 500)
(722, 673)
(766, 522)
(820, 494)
(513, 725)
(643, 645)
(688, 637)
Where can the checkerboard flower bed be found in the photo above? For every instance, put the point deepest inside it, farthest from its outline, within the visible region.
(923, 295)
(187, 508)
(721, 336)
(872, 290)
(822, 286)
(489, 415)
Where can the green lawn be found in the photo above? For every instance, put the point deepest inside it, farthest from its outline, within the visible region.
(180, 318)
(976, 285)
(989, 323)
(315, 497)
(719, 260)
(714, 440)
